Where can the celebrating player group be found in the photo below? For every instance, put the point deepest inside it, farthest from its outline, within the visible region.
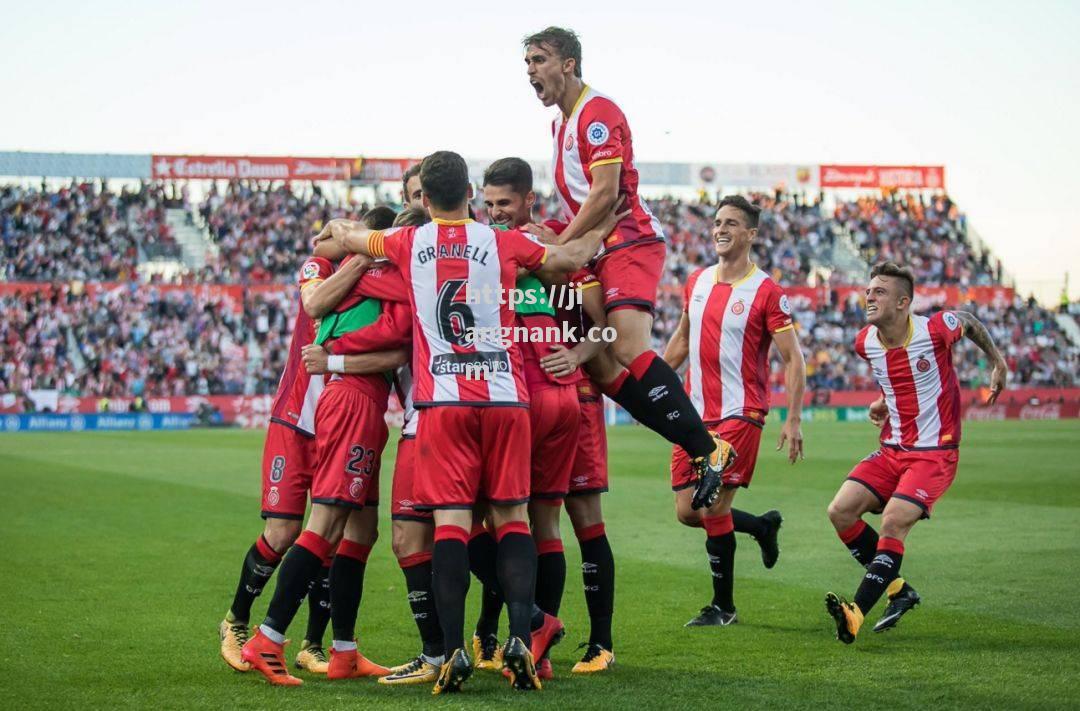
(418, 301)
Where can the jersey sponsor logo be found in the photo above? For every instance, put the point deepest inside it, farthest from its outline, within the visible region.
(273, 497)
(738, 307)
(785, 305)
(569, 144)
(311, 270)
(470, 363)
(951, 322)
(597, 133)
(922, 365)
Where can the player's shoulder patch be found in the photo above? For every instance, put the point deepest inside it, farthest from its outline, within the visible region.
(311, 270)
(951, 321)
(785, 305)
(597, 133)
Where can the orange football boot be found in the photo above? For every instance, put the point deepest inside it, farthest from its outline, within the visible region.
(268, 658)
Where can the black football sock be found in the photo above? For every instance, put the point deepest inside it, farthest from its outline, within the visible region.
(880, 573)
(318, 606)
(450, 582)
(861, 540)
(721, 548)
(298, 569)
(748, 523)
(417, 571)
(672, 414)
(347, 588)
(516, 565)
(259, 564)
(550, 575)
(483, 551)
(598, 575)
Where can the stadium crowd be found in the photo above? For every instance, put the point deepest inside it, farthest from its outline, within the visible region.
(147, 341)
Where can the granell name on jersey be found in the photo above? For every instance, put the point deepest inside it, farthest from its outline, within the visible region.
(453, 251)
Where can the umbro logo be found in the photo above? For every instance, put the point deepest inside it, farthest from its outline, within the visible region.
(587, 568)
(417, 595)
(658, 392)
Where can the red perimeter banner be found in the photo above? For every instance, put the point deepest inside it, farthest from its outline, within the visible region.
(882, 176)
(172, 167)
(379, 170)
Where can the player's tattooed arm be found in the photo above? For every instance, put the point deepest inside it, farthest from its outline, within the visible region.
(976, 332)
(678, 347)
(321, 298)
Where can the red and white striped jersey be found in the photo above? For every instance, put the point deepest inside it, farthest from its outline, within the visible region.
(731, 327)
(918, 381)
(596, 133)
(298, 392)
(460, 276)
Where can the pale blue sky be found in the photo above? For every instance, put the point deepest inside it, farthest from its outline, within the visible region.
(989, 89)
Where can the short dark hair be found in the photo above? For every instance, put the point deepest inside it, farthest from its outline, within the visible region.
(565, 43)
(444, 177)
(412, 217)
(412, 170)
(752, 211)
(514, 172)
(379, 217)
(892, 269)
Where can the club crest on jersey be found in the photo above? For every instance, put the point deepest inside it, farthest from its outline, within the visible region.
(922, 365)
(951, 322)
(785, 306)
(273, 497)
(356, 488)
(569, 144)
(311, 271)
(738, 307)
(597, 133)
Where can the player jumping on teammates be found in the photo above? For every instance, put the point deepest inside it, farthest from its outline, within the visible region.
(732, 313)
(594, 172)
(472, 398)
(911, 358)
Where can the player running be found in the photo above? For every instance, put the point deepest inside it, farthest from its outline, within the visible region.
(919, 414)
(351, 432)
(732, 314)
(289, 461)
(593, 168)
(471, 394)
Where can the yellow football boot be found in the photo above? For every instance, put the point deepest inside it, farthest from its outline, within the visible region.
(596, 659)
(312, 658)
(848, 617)
(234, 635)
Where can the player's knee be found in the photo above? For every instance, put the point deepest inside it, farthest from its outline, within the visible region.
(584, 511)
(407, 540)
(281, 533)
(895, 525)
(626, 351)
(686, 515)
(842, 514)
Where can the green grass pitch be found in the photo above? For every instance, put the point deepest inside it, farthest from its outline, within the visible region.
(119, 554)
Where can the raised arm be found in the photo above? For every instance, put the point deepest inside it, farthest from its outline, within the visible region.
(320, 298)
(976, 332)
(350, 234)
(787, 343)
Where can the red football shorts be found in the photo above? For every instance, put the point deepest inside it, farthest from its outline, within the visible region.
(288, 465)
(468, 454)
(589, 474)
(554, 415)
(920, 476)
(630, 275)
(351, 432)
(743, 436)
(401, 508)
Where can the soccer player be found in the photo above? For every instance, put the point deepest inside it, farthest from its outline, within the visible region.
(911, 358)
(471, 394)
(350, 435)
(289, 460)
(554, 417)
(412, 195)
(594, 171)
(732, 314)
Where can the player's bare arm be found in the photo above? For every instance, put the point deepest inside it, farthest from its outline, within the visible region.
(603, 198)
(350, 235)
(321, 297)
(787, 344)
(316, 359)
(678, 347)
(976, 332)
(573, 256)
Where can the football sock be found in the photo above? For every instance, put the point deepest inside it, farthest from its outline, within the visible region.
(347, 588)
(720, 546)
(298, 569)
(450, 582)
(598, 575)
(319, 605)
(516, 565)
(748, 523)
(550, 575)
(417, 571)
(483, 551)
(861, 540)
(880, 573)
(259, 564)
(672, 414)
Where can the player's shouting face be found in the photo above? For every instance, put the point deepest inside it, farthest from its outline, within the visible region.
(887, 299)
(507, 207)
(548, 72)
(731, 232)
